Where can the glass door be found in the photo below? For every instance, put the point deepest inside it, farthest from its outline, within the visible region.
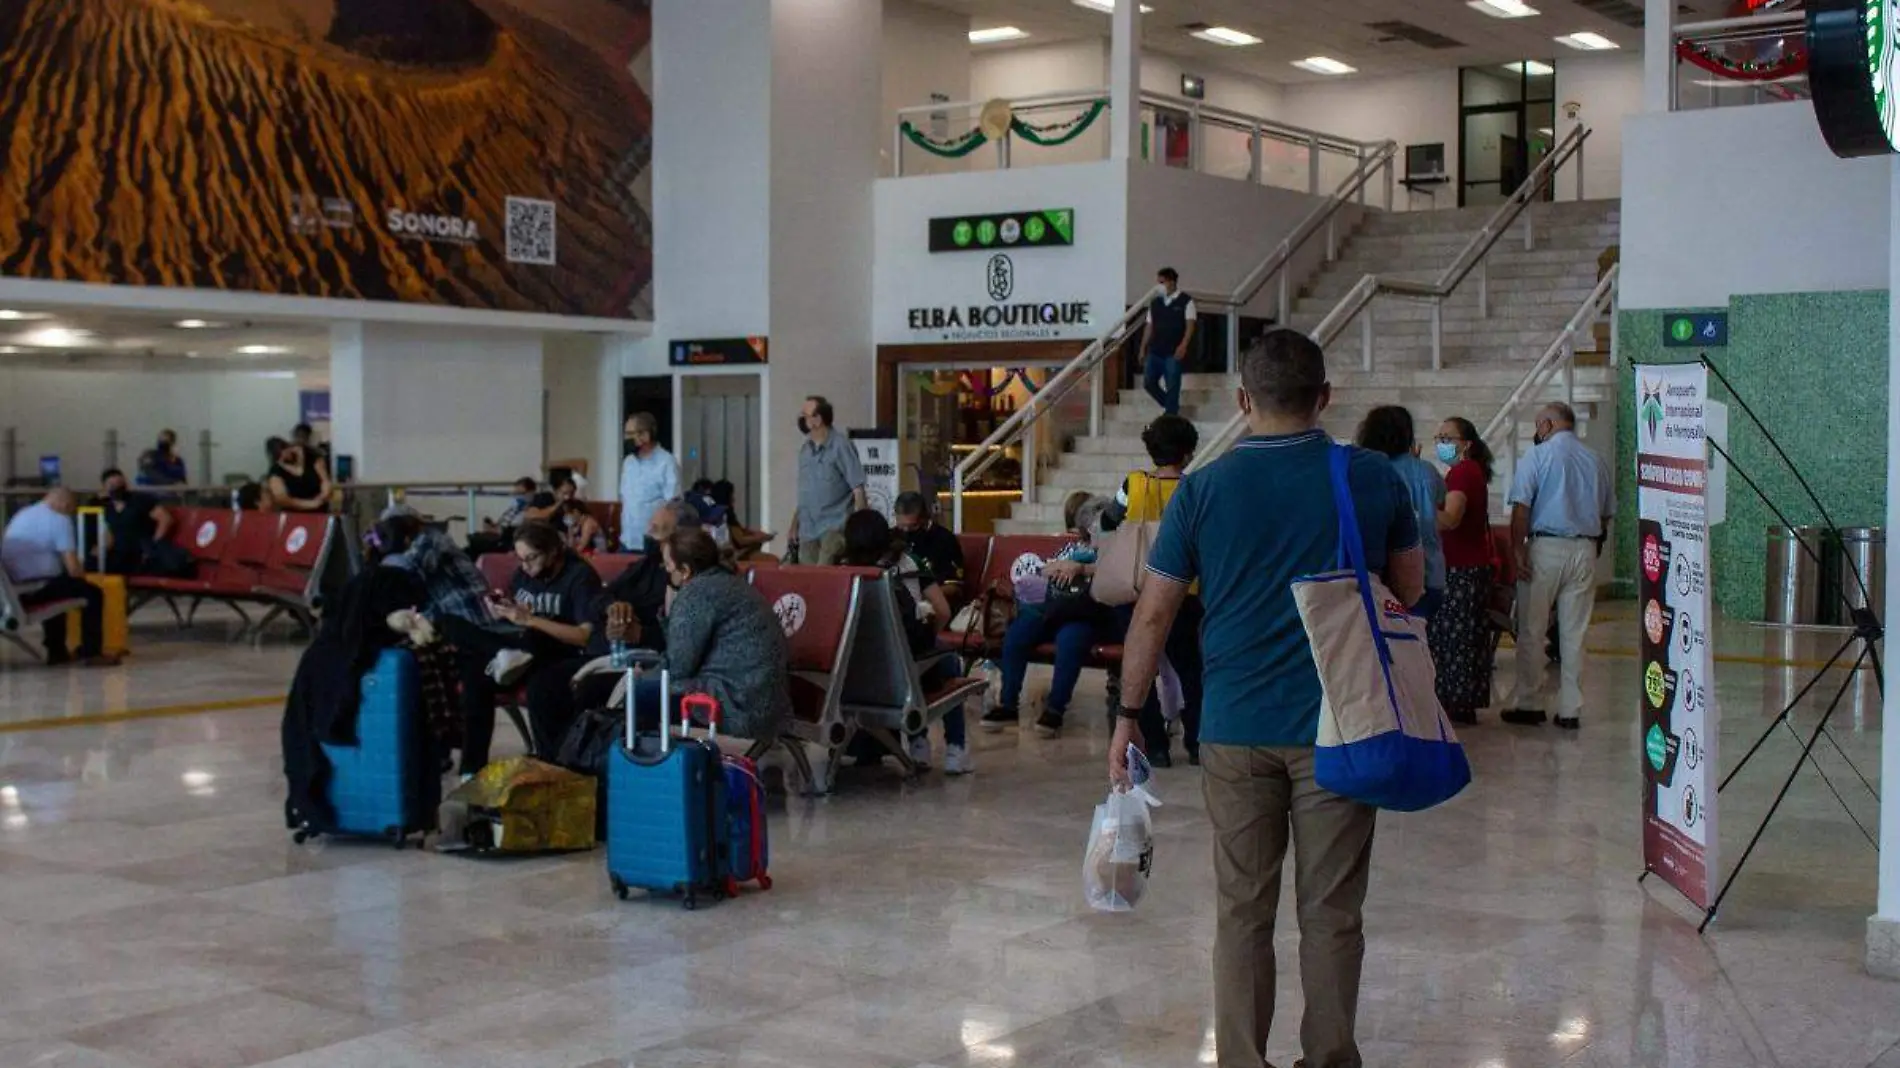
(1506, 127)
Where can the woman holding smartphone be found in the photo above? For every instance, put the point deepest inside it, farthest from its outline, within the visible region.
(543, 620)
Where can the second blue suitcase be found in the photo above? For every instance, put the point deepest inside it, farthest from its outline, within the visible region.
(387, 784)
(665, 821)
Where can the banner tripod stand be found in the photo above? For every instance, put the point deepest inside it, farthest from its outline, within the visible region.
(1868, 630)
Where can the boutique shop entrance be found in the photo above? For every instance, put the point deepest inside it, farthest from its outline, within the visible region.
(945, 402)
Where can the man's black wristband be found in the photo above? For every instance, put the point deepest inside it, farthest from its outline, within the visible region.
(1128, 713)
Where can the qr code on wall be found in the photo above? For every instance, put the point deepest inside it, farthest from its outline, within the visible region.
(530, 231)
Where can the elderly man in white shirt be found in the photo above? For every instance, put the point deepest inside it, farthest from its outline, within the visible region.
(649, 477)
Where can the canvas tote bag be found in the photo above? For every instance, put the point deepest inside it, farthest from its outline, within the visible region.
(1121, 562)
(1383, 737)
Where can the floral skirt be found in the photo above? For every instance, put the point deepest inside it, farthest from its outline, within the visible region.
(1461, 640)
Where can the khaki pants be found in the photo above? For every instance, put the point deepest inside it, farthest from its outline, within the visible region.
(826, 549)
(1255, 795)
(1564, 576)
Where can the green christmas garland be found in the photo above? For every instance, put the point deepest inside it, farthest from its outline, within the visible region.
(1048, 136)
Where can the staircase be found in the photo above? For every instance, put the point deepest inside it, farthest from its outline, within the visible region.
(1531, 293)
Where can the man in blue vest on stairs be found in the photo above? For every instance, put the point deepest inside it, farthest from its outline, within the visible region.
(1164, 340)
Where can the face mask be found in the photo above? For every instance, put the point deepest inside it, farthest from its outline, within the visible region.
(804, 427)
(1447, 452)
(1539, 438)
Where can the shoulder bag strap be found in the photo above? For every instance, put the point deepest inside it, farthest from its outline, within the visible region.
(1352, 547)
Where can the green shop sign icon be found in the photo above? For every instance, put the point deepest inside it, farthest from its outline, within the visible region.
(986, 233)
(1682, 329)
(962, 233)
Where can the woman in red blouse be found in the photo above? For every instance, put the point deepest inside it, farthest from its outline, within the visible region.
(1460, 632)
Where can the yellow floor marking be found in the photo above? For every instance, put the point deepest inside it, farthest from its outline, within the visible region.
(133, 714)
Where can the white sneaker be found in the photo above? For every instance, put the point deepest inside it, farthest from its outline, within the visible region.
(917, 746)
(508, 666)
(957, 760)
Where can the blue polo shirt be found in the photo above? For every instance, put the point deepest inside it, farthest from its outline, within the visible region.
(1246, 526)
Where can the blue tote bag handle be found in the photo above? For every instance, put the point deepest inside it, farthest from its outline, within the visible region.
(1352, 548)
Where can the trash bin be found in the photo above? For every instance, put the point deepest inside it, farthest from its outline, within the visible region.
(1865, 549)
(1794, 574)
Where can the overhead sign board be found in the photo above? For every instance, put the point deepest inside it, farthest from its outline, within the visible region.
(1701, 330)
(1041, 228)
(717, 351)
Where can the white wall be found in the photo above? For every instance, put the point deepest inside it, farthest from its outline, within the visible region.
(1746, 200)
(66, 413)
(1215, 231)
(908, 275)
(1610, 89)
(926, 50)
(416, 403)
(571, 372)
(1411, 109)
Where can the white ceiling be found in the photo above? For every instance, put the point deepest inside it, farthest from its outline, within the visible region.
(107, 340)
(1295, 29)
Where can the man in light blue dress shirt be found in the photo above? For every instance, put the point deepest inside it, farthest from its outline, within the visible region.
(1562, 501)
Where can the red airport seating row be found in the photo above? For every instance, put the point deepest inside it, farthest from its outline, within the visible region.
(273, 560)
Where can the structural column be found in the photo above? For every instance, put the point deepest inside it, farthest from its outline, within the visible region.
(1659, 53)
(1883, 929)
(1124, 81)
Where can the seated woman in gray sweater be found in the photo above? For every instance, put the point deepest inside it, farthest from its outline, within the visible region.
(721, 639)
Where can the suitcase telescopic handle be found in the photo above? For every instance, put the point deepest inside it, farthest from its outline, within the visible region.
(666, 686)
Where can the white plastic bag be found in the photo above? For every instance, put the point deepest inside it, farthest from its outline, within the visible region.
(1121, 851)
(992, 675)
(1168, 691)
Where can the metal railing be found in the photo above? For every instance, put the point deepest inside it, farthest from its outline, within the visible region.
(1087, 366)
(1560, 358)
(1358, 301)
(1203, 122)
(1692, 87)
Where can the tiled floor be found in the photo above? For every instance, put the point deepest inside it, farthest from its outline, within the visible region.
(153, 913)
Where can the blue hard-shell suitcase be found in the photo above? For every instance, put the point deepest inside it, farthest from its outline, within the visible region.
(664, 813)
(387, 784)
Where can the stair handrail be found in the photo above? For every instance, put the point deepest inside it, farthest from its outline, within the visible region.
(1559, 356)
(1090, 359)
(1370, 286)
(1323, 215)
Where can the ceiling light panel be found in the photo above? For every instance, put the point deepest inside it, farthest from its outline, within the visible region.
(1324, 65)
(996, 35)
(1226, 35)
(1503, 9)
(1530, 67)
(1587, 42)
(1107, 5)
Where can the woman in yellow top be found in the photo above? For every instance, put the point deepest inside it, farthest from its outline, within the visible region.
(1170, 441)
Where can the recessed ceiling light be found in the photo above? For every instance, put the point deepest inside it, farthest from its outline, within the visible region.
(275, 374)
(261, 350)
(56, 337)
(1588, 42)
(1108, 6)
(9, 349)
(1531, 67)
(196, 324)
(1225, 35)
(1503, 9)
(12, 316)
(1324, 65)
(996, 34)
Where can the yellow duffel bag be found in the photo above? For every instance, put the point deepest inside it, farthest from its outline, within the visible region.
(520, 805)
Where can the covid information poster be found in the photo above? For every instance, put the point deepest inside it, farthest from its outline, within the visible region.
(1678, 685)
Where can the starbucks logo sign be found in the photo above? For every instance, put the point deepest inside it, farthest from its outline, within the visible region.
(1853, 71)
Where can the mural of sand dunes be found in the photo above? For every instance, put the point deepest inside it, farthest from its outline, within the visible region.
(477, 153)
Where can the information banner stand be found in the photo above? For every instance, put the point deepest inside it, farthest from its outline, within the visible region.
(1678, 684)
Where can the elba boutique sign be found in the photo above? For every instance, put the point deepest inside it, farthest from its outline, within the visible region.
(1003, 317)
